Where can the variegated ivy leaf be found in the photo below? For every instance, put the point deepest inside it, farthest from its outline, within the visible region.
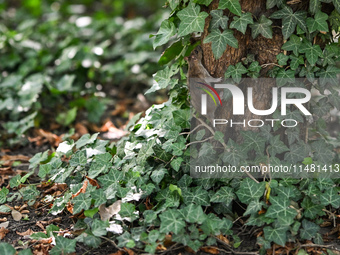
(313, 52)
(309, 230)
(235, 72)
(314, 6)
(192, 20)
(272, 3)
(281, 210)
(263, 27)
(250, 190)
(218, 20)
(277, 235)
(204, 2)
(224, 195)
(232, 5)
(293, 44)
(319, 23)
(171, 221)
(330, 196)
(219, 41)
(336, 4)
(290, 19)
(241, 23)
(164, 33)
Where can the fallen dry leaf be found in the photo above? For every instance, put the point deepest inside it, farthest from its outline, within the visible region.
(161, 248)
(28, 232)
(119, 252)
(16, 215)
(223, 239)
(107, 212)
(211, 250)
(130, 252)
(81, 129)
(4, 225)
(93, 182)
(56, 187)
(82, 189)
(3, 232)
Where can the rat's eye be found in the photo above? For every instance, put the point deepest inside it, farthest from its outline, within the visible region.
(196, 51)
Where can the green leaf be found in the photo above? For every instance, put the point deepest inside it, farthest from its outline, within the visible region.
(82, 201)
(6, 249)
(198, 196)
(250, 190)
(146, 150)
(254, 69)
(171, 221)
(235, 72)
(289, 20)
(310, 209)
(98, 227)
(280, 209)
(166, 30)
(86, 139)
(314, 6)
(63, 246)
(253, 141)
(176, 163)
(65, 83)
(78, 159)
(125, 240)
(193, 214)
(319, 23)
(254, 207)
(323, 152)
(309, 230)
(313, 52)
(25, 252)
(241, 23)
(277, 235)
(295, 62)
(15, 181)
(272, 3)
(219, 41)
(192, 20)
(218, 20)
(282, 59)
(330, 196)
(182, 117)
(91, 212)
(66, 118)
(205, 2)
(157, 175)
(37, 158)
(263, 27)
(224, 195)
(336, 4)
(232, 5)
(29, 192)
(276, 146)
(293, 44)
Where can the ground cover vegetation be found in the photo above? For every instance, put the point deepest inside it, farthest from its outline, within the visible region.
(137, 194)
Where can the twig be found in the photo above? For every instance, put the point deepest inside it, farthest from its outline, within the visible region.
(112, 242)
(233, 251)
(211, 137)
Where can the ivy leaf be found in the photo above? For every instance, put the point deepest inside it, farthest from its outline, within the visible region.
(219, 41)
(146, 150)
(254, 207)
(86, 139)
(272, 3)
(78, 159)
(162, 79)
(7, 249)
(3, 194)
(98, 227)
(282, 59)
(313, 52)
(336, 4)
(63, 246)
(293, 44)
(329, 75)
(290, 19)
(236, 72)
(330, 196)
(176, 163)
(205, 2)
(125, 240)
(276, 146)
(164, 33)
(280, 209)
(232, 5)
(224, 195)
(253, 141)
(157, 175)
(182, 117)
(254, 69)
(277, 235)
(192, 20)
(314, 6)
(295, 62)
(241, 23)
(82, 201)
(218, 20)
(323, 152)
(171, 221)
(309, 230)
(193, 214)
(198, 196)
(250, 190)
(262, 27)
(297, 153)
(319, 23)
(310, 209)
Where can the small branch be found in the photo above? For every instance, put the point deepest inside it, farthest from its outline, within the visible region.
(211, 137)
(112, 242)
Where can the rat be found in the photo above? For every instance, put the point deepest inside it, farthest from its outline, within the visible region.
(198, 74)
